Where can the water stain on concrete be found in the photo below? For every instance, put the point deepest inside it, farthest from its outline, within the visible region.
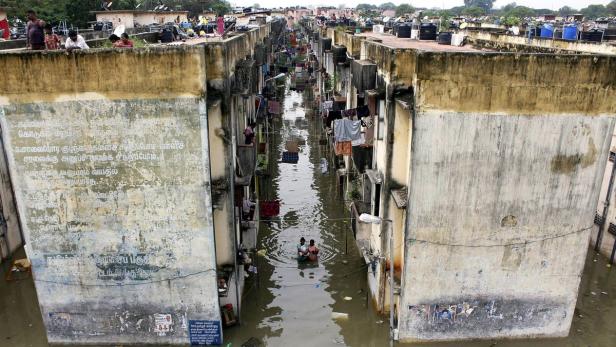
(566, 164)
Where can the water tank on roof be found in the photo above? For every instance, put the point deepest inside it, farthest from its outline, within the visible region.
(547, 31)
(591, 35)
(444, 38)
(427, 31)
(570, 32)
(339, 54)
(404, 31)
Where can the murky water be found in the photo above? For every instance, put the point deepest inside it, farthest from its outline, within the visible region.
(289, 304)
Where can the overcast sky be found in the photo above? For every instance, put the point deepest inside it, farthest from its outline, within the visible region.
(552, 4)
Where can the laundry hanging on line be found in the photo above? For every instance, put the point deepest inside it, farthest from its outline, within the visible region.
(347, 130)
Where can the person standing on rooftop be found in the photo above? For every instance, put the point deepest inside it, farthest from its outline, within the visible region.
(34, 30)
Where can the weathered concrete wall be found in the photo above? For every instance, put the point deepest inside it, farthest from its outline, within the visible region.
(112, 181)
(606, 244)
(508, 43)
(507, 158)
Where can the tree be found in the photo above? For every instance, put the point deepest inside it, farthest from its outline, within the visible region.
(404, 9)
(484, 4)
(391, 6)
(510, 6)
(611, 7)
(474, 11)
(565, 10)
(221, 8)
(595, 11)
(521, 12)
(365, 7)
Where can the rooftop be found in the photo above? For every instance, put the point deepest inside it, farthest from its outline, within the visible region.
(396, 42)
(138, 12)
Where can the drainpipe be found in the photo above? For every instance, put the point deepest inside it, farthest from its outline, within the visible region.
(605, 210)
(391, 281)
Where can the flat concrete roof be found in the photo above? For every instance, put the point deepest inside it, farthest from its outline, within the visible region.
(396, 42)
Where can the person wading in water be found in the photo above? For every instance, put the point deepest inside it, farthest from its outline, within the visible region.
(313, 251)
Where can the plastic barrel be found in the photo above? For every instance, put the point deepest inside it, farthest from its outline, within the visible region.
(547, 31)
(404, 31)
(444, 38)
(427, 32)
(570, 32)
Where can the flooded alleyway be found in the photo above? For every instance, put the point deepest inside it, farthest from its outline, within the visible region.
(291, 303)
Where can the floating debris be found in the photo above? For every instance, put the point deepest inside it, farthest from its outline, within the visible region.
(340, 315)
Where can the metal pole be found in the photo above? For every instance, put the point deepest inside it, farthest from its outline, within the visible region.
(391, 281)
(605, 208)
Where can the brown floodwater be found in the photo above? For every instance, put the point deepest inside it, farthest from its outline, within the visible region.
(291, 304)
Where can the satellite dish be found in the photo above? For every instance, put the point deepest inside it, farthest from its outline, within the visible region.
(119, 30)
(109, 5)
(463, 25)
(386, 19)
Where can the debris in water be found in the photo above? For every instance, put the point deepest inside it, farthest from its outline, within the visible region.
(261, 253)
(604, 293)
(348, 298)
(345, 262)
(340, 315)
(593, 293)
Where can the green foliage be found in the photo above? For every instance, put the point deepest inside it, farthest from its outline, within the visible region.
(510, 21)
(520, 12)
(508, 7)
(404, 9)
(389, 6)
(474, 11)
(78, 12)
(611, 8)
(484, 4)
(365, 7)
(565, 10)
(595, 11)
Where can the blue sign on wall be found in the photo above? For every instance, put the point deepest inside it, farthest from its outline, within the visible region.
(204, 332)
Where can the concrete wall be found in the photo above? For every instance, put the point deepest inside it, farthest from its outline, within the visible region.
(117, 18)
(147, 18)
(112, 182)
(506, 168)
(508, 43)
(607, 239)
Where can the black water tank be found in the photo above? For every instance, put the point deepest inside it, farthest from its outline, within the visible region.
(592, 35)
(339, 53)
(427, 31)
(166, 36)
(326, 43)
(404, 31)
(444, 38)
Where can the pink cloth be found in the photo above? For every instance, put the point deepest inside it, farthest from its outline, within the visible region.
(220, 23)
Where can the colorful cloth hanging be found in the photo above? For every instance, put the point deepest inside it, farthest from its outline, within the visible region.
(343, 148)
(269, 208)
(290, 157)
